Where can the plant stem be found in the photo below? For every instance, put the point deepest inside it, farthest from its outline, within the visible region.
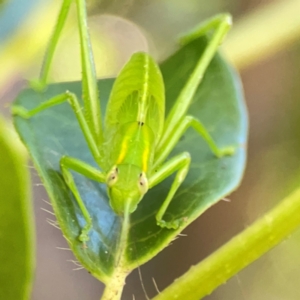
(114, 288)
(238, 253)
(263, 32)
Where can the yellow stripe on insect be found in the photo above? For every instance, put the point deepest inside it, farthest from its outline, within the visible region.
(145, 159)
(124, 145)
(124, 148)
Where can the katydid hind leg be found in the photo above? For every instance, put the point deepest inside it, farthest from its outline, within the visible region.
(182, 126)
(89, 81)
(179, 164)
(77, 108)
(218, 26)
(41, 83)
(92, 110)
(68, 163)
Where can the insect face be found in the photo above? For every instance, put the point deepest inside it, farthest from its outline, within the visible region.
(126, 186)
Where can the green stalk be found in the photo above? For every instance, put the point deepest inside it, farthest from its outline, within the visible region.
(238, 253)
(114, 287)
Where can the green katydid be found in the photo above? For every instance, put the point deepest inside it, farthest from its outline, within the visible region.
(132, 145)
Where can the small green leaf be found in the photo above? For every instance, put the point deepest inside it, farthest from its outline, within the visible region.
(55, 132)
(16, 234)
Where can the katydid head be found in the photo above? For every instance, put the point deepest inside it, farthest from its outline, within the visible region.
(126, 186)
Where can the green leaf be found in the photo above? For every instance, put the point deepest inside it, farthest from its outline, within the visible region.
(16, 234)
(55, 132)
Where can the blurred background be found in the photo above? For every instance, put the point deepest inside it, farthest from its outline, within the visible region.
(271, 75)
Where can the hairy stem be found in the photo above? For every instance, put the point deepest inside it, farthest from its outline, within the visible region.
(238, 253)
(114, 287)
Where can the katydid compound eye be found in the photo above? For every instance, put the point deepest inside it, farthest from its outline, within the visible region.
(143, 183)
(112, 176)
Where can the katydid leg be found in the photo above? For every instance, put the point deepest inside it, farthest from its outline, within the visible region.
(181, 164)
(61, 20)
(68, 163)
(219, 26)
(89, 79)
(72, 99)
(190, 121)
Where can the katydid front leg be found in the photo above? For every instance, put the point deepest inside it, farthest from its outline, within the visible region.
(66, 162)
(181, 164)
(69, 163)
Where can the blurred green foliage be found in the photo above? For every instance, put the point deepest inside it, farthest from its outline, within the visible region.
(16, 219)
